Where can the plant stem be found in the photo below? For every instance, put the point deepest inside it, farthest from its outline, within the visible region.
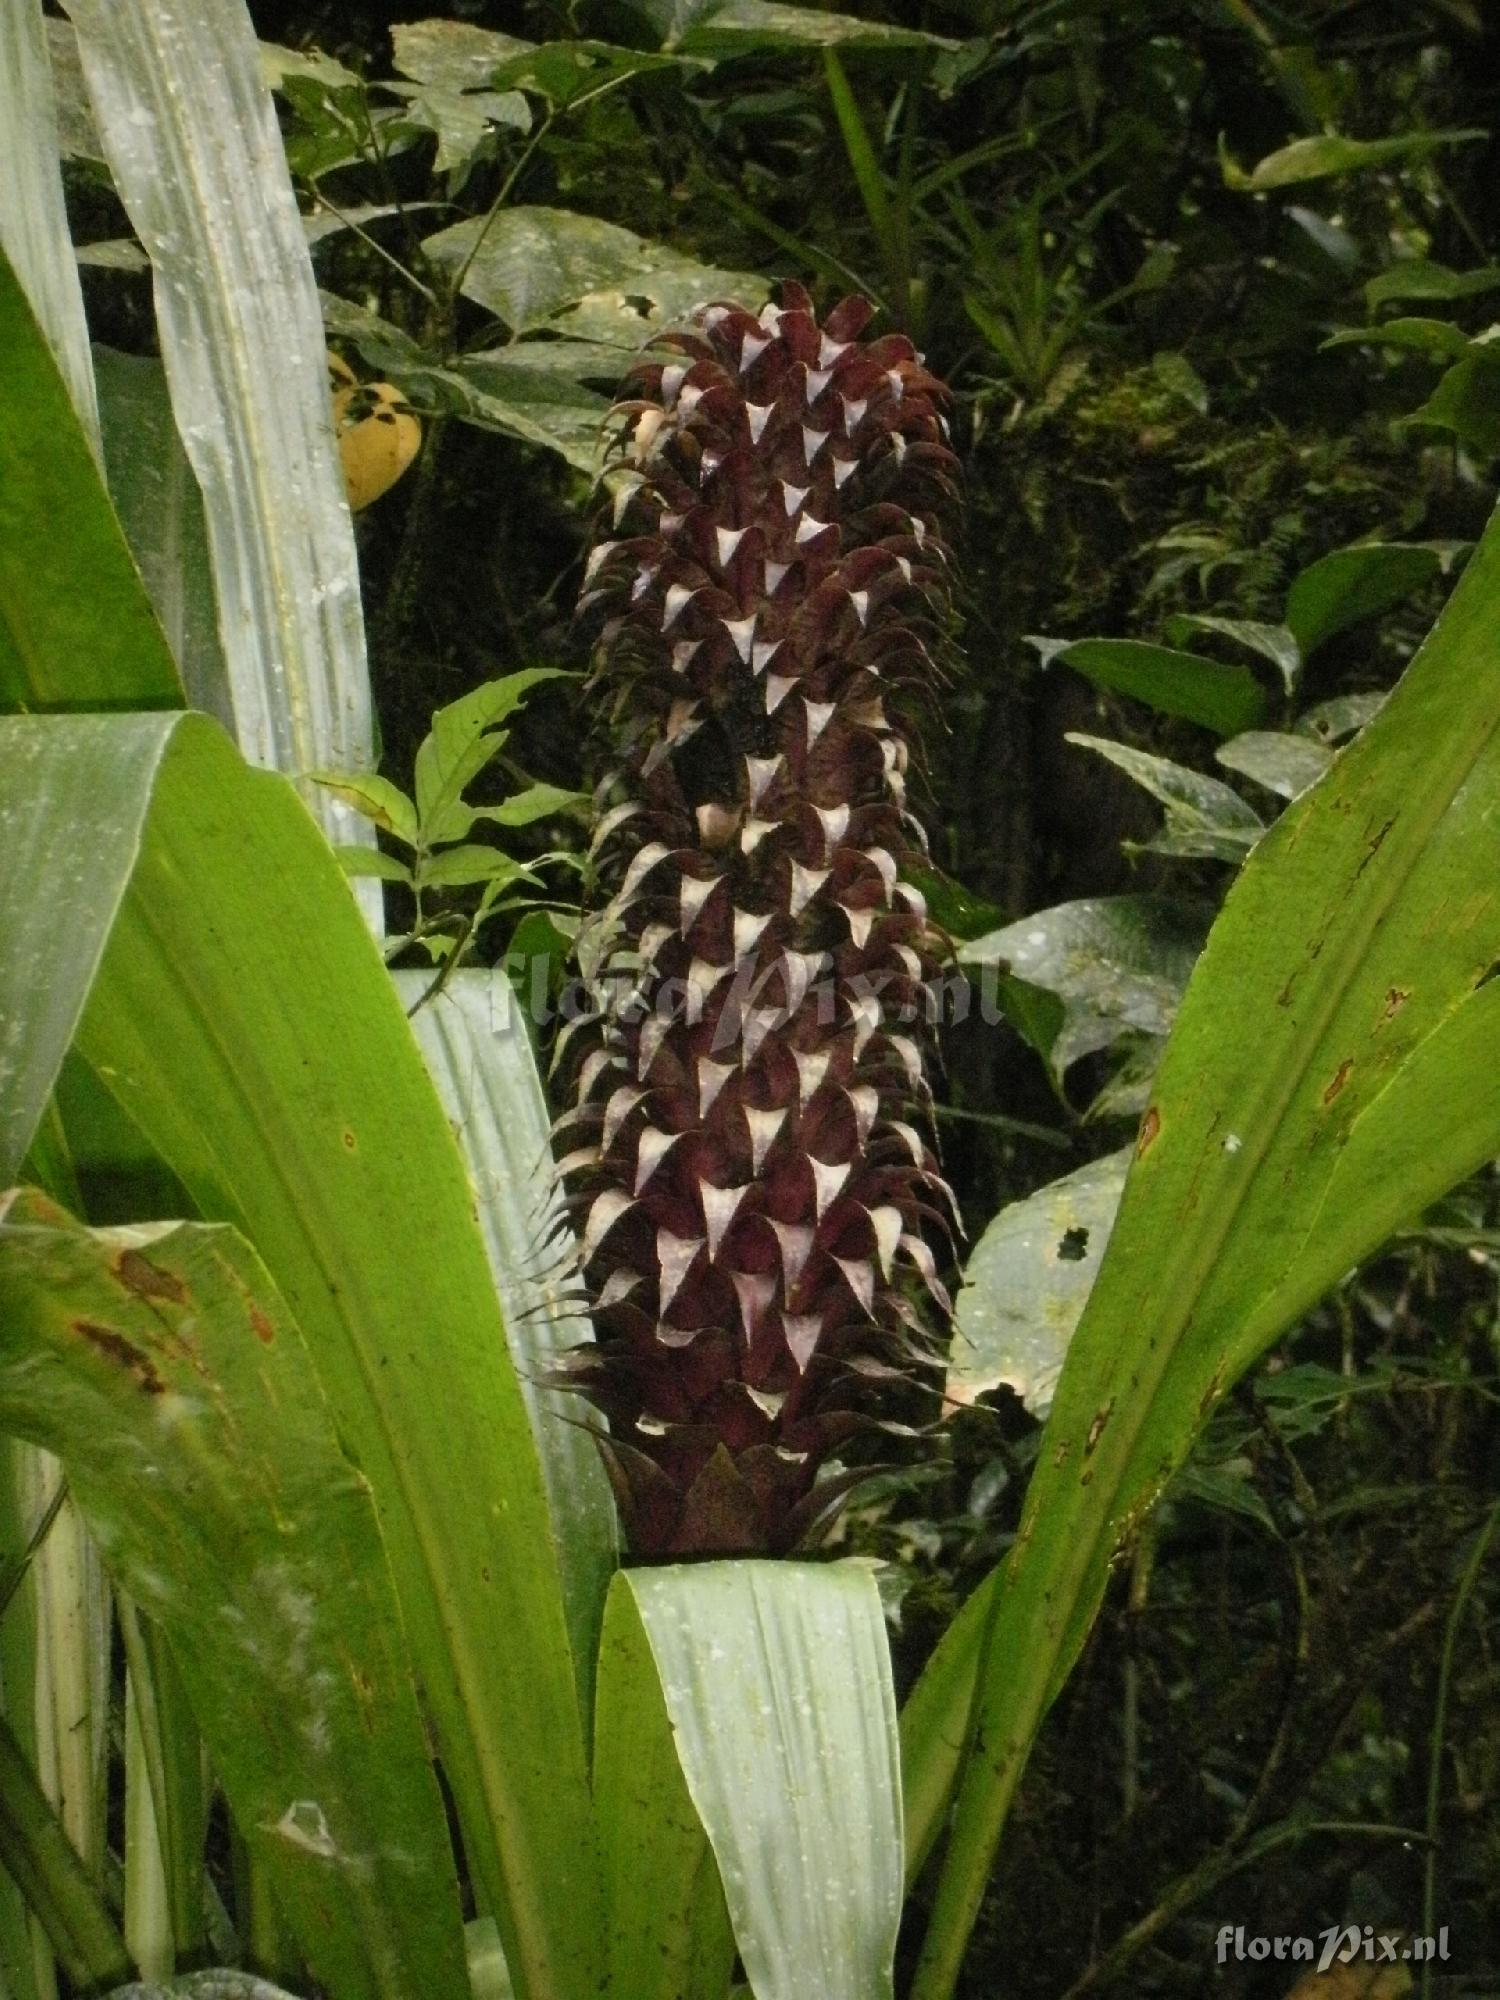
(379, 248)
(45, 1867)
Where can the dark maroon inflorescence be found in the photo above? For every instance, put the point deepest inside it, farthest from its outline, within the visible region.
(746, 1153)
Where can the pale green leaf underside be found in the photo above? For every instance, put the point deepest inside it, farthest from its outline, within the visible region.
(1027, 1281)
(1119, 964)
(189, 128)
(794, 1769)
(532, 264)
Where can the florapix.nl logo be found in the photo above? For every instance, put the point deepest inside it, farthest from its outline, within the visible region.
(1340, 1944)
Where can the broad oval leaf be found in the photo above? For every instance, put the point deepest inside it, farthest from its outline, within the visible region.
(527, 265)
(1326, 153)
(216, 1984)
(453, 55)
(1283, 763)
(719, 28)
(1349, 584)
(1437, 337)
(1421, 278)
(1467, 403)
(1220, 697)
(1275, 643)
(1026, 1283)
(1204, 817)
(1119, 964)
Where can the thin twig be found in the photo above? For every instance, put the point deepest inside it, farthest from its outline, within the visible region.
(1461, 1598)
(379, 248)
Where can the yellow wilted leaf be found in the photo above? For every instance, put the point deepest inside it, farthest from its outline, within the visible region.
(378, 436)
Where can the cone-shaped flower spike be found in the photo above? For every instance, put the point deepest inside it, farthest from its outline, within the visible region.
(746, 1153)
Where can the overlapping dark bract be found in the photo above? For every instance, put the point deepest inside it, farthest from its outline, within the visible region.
(746, 1154)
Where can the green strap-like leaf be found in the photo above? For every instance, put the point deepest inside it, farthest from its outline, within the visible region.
(776, 1679)
(161, 511)
(1026, 1282)
(1354, 942)
(245, 1024)
(1220, 697)
(473, 1036)
(76, 627)
(170, 1378)
(37, 1855)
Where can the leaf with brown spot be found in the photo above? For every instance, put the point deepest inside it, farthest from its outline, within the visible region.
(1340, 1077)
(249, 1539)
(147, 1280)
(111, 1343)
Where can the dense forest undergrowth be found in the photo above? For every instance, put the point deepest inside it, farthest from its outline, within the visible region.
(1213, 286)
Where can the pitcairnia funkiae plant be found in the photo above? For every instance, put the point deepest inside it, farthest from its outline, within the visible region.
(742, 1150)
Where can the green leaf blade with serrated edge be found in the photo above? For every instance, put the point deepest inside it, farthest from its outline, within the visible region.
(76, 627)
(166, 1372)
(777, 1681)
(244, 1023)
(1362, 927)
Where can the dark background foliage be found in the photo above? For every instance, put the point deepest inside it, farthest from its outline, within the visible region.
(1152, 428)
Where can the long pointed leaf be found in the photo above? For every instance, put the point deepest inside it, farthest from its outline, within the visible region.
(56, 908)
(33, 217)
(76, 627)
(38, 1856)
(244, 1022)
(161, 511)
(1357, 933)
(480, 1058)
(668, 1927)
(191, 135)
